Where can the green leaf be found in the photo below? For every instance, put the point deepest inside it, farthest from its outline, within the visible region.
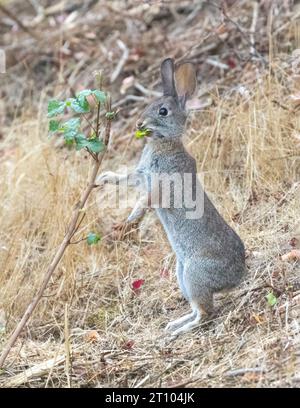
(95, 145)
(69, 142)
(70, 135)
(272, 299)
(80, 105)
(139, 134)
(81, 141)
(99, 95)
(71, 125)
(55, 107)
(54, 125)
(84, 93)
(93, 238)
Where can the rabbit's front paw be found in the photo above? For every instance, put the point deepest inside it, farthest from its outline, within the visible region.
(136, 214)
(107, 177)
(170, 326)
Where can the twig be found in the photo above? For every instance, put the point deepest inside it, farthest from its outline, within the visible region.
(146, 91)
(108, 122)
(216, 63)
(16, 20)
(127, 98)
(253, 27)
(280, 105)
(67, 346)
(79, 223)
(91, 153)
(183, 384)
(71, 230)
(242, 371)
(78, 241)
(257, 53)
(36, 371)
(98, 119)
(267, 285)
(121, 62)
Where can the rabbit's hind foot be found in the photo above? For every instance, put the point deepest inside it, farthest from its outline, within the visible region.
(187, 326)
(179, 322)
(200, 312)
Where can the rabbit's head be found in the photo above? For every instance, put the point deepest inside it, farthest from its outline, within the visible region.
(166, 116)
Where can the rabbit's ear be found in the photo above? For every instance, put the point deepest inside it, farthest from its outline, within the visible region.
(186, 82)
(167, 76)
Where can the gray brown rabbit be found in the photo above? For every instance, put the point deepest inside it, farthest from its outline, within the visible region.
(210, 255)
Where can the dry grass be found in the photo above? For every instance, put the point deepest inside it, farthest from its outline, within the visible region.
(249, 160)
(247, 155)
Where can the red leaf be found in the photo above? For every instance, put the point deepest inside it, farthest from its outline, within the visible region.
(136, 285)
(128, 345)
(293, 242)
(231, 63)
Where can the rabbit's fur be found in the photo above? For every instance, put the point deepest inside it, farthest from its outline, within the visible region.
(210, 255)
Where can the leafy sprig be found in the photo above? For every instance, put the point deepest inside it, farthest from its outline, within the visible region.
(71, 129)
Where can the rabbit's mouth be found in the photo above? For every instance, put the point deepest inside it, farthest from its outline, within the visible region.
(154, 133)
(149, 130)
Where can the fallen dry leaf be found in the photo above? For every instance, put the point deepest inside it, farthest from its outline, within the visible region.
(293, 255)
(258, 319)
(251, 377)
(295, 99)
(92, 336)
(294, 242)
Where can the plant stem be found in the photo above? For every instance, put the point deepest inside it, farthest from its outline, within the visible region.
(71, 230)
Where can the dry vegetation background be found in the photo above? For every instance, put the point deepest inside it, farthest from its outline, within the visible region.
(91, 328)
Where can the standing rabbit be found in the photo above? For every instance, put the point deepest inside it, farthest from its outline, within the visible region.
(210, 255)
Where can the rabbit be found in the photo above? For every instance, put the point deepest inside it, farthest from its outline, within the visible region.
(210, 256)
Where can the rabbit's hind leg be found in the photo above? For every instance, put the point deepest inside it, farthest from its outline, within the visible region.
(179, 322)
(180, 279)
(201, 309)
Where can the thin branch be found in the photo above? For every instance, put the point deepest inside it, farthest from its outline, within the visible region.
(71, 229)
(79, 223)
(253, 27)
(98, 119)
(242, 371)
(68, 366)
(256, 52)
(121, 62)
(108, 122)
(19, 22)
(37, 370)
(146, 91)
(89, 122)
(91, 153)
(77, 242)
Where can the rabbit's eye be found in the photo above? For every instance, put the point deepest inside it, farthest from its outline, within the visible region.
(163, 111)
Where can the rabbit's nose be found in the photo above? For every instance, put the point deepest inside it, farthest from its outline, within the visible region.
(140, 124)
